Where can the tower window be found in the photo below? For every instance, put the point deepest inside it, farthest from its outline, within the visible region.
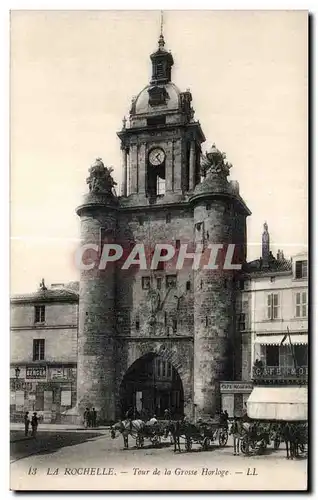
(145, 282)
(171, 281)
(168, 218)
(141, 220)
(161, 186)
(137, 323)
(177, 244)
(174, 325)
(188, 285)
(208, 206)
(159, 283)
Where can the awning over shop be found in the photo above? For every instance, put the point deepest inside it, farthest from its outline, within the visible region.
(278, 403)
(277, 339)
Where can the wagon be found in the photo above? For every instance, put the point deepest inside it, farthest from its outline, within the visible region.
(152, 432)
(205, 434)
(254, 438)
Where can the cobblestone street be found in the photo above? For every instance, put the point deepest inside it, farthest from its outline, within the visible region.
(92, 460)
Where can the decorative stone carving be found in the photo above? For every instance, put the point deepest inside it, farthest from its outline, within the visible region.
(100, 179)
(214, 162)
(42, 285)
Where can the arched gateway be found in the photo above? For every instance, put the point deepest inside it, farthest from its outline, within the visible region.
(151, 385)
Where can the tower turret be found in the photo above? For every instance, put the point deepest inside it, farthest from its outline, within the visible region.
(219, 215)
(96, 334)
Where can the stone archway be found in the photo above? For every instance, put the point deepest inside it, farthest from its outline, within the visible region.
(151, 385)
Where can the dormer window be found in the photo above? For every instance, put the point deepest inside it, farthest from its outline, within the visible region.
(301, 269)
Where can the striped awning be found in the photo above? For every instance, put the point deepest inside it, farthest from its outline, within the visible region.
(277, 339)
(278, 403)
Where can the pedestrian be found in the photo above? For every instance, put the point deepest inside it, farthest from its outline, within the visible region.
(34, 424)
(86, 417)
(26, 423)
(94, 417)
(236, 436)
(89, 418)
(129, 413)
(226, 419)
(153, 420)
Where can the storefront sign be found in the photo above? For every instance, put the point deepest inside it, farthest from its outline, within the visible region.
(280, 371)
(59, 373)
(232, 387)
(35, 372)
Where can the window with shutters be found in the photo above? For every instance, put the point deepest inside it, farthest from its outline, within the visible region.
(273, 306)
(301, 305)
(38, 349)
(301, 269)
(39, 314)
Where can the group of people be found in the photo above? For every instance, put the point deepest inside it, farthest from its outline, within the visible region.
(34, 424)
(133, 414)
(90, 418)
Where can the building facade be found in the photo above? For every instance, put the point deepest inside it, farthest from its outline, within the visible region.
(183, 317)
(43, 367)
(274, 324)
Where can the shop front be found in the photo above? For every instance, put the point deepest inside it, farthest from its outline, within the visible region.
(48, 390)
(234, 395)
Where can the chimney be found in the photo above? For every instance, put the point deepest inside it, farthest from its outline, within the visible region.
(265, 245)
(279, 255)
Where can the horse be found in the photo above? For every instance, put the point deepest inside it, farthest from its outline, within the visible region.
(289, 435)
(179, 428)
(128, 427)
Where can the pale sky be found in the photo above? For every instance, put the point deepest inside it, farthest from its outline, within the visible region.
(73, 74)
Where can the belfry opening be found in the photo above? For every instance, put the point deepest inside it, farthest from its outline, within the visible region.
(150, 386)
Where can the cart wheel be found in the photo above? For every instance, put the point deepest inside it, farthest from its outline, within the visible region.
(188, 444)
(206, 443)
(223, 437)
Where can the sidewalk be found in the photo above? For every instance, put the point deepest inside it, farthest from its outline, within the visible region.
(16, 426)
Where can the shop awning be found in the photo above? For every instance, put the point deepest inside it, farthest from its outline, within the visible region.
(278, 403)
(276, 339)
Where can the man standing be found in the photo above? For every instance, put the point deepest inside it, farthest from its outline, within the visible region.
(94, 417)
(26, 423)
(34, 424)
(236, 436)
(86, 417)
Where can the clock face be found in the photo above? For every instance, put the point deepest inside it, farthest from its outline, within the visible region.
(156, 156)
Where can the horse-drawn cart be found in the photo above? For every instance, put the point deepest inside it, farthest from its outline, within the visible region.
(202, 433)
(139, 430)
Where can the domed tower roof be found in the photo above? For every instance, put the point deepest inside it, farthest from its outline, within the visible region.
(165, 97)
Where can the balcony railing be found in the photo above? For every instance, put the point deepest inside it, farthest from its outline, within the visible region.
(280, 374)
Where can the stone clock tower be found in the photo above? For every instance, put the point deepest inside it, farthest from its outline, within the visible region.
(162, 144)
(152, 339)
